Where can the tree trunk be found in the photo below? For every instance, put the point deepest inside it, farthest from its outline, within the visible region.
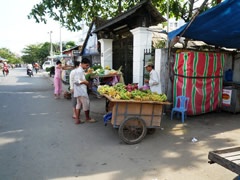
(119, 6)
(219, 1)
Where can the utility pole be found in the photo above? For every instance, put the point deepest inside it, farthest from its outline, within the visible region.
(51, 49)
(167, 22)
(60, 40)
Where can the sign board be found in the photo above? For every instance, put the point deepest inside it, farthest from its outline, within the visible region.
(226, 97)
(91, 47)
(76, 53)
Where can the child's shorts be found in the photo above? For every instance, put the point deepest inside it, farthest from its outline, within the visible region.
(74, 101)
(83, 103)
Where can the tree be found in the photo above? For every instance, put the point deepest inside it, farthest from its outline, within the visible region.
(10, 56)
(39, 52)
(36, 53)
(68, 45)
(71, 12)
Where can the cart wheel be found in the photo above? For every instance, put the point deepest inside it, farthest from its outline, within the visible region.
(132, 130)
(151, 131)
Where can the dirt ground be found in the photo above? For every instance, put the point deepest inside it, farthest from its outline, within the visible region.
(40, 140)
(170, 153)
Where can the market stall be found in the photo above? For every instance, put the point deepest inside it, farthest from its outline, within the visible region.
(199, 76)
(133, 110)
(68, 66)
(206, 28)
(97, 75)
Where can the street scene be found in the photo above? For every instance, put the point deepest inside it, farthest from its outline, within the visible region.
(120, 90)
(39, 140)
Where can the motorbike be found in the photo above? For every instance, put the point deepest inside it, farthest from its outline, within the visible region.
(5, 71)
(29, 72)
(36, 69)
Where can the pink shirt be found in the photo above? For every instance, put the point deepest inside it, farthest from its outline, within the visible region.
(58, 73)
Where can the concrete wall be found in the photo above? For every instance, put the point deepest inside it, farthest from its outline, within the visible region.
(227, 62)
(161, 66)
(142, 39)
(236, 69)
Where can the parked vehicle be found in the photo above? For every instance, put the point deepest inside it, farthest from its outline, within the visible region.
(47, 64)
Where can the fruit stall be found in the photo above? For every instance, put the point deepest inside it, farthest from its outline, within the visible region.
(66, 70)
(97, 75)
(133, 110)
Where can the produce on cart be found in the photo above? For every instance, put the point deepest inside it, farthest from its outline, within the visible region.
(120, 91)
(97, 75)
(99, 71)
(134, 110)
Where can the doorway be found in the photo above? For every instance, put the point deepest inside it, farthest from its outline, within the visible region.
(123, 56)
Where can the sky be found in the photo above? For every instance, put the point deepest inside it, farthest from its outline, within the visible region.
(17, 31)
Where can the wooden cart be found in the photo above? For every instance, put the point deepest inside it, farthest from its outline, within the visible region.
(228, 158)
(133, 118)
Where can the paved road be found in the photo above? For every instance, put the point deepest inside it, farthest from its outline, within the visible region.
(39, 141)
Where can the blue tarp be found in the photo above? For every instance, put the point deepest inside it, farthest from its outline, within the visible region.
(218, 26)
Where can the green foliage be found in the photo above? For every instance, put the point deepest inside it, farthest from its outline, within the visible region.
(48, 69)
(146, 75)
(39, 52)
(96, 67)
(11, 57)
(87, 76)
(70, 13)
(160, 44)
(35, 53)
(68, 45)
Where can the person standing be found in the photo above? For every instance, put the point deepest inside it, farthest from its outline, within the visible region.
(57, 80)
(80, 91)
(71, 81)
(154, 81)
(36, 67)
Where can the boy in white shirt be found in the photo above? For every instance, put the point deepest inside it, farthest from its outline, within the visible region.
(80, 91)
(71, 81)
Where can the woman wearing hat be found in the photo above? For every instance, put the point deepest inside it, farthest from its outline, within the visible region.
(154, 81)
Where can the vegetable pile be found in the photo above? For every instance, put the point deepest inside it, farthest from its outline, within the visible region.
(121, 91)
(99, 70)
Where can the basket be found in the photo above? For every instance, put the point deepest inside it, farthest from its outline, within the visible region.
(67, 95)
